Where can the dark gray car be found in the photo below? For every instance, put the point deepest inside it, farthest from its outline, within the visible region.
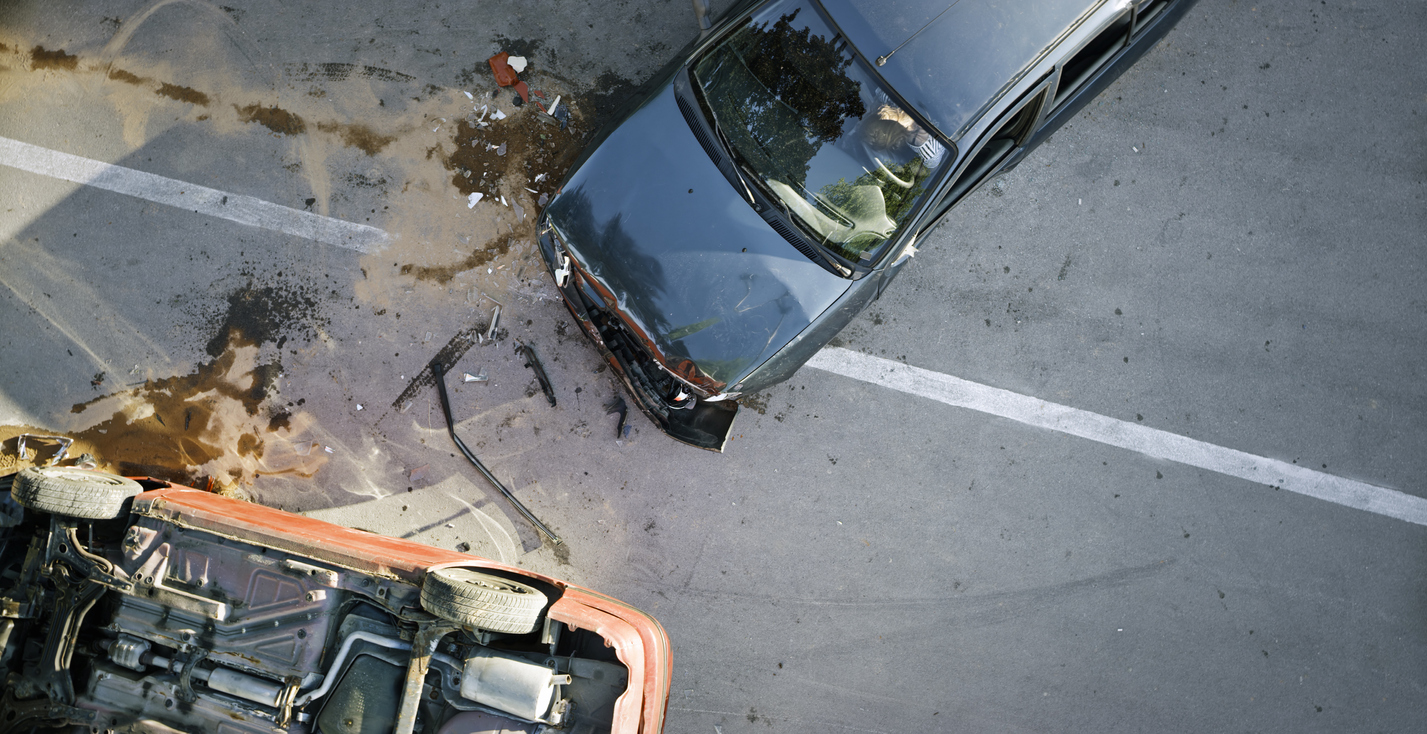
(779, 172)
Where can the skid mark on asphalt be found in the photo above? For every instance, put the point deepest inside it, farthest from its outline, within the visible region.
(1095, 427)
(246, 210)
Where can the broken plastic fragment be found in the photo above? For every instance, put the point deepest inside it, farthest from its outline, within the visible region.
(539, 178)
(328, 449)
(468, 95)
(502, 200)
(482, 377)
(359, 406)
(554, 106)
(500, 150)
(495, 320)
(517, 63)
(473, 199)
(519, 212)
(543, 200)
(497, 115)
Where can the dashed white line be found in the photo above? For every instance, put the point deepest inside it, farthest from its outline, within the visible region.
(1114, 432)
(247, 210)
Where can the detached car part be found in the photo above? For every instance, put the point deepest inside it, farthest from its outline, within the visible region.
(439, 371)
(135, 605)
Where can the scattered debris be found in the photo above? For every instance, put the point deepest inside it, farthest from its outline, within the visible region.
(64, 443)
(532, 361)
(617, 405)
(482, 377)
(438, 370)
(495, 320)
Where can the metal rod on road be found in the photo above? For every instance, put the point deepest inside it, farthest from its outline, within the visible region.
(439, 371)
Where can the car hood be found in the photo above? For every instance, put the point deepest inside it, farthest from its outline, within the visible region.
(681, 256)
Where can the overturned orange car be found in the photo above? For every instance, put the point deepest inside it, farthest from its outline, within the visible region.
(137, 605)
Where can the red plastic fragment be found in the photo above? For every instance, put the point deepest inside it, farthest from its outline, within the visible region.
(504, 75)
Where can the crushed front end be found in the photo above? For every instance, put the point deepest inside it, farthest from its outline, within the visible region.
(698, 415)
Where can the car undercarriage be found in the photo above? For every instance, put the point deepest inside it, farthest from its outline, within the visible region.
(137, 613)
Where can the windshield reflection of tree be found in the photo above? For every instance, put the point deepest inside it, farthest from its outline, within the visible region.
(791, 102)
(789, 91)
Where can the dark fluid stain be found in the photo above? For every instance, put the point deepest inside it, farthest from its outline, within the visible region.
(610, 93)
(265, 314)
(57, 59)
(128, 77)
(273, 118)
(358, 136)
(756, 401)
(183, 94)
(248, 445)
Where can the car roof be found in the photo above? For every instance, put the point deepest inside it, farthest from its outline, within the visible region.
(965, 58)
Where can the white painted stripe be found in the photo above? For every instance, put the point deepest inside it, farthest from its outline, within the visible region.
(1132, 436)
(183, 195)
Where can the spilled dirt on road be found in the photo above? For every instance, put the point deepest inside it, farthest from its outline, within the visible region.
(220, 426)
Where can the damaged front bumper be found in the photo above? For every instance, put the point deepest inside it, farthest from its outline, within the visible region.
(678, 408)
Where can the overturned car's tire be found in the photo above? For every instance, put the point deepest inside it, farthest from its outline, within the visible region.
(474, 599)
(89, 495)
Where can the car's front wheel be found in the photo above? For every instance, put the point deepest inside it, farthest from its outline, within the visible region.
(474, 599)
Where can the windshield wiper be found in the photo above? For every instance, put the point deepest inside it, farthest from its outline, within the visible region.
(732, 158)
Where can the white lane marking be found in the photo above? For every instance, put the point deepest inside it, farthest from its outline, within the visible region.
(1132, 436)
(238, 208)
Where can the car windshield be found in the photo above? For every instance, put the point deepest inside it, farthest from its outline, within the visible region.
(816, 130)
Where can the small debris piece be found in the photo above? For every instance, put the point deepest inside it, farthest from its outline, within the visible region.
(497, 115)
(482, 377)
(516, 62)
(418, 473)
(500, 150)
(502, 200)
(359, 406)
(543, 200)
(468, 95)
(463, 547)
(532, 361)
(519, 212)
(539, 178)
(328, 449)
(495, 321)
(473, 199)
(554, 106)
(617, 405)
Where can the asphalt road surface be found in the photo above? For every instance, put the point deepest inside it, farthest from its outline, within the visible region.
(232, 237)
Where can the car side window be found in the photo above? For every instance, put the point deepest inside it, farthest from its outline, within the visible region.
(1015, 128)
(1090, 58)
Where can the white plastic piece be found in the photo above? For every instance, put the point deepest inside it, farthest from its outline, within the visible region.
(472, 200)
(468, 95)
(508, 683)
(517, 63)
(553, 105)
(502, 200)
(497, 115)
